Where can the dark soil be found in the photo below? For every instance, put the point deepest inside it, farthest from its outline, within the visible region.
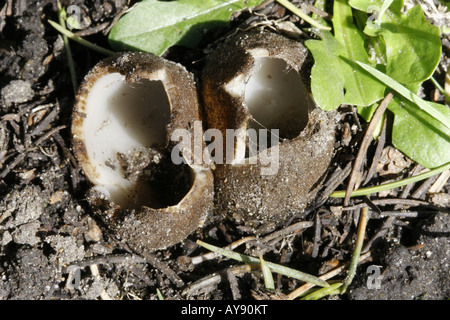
(53, 246)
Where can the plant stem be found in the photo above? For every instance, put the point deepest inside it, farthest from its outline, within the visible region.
(80, 40)
(288, 5)
(273, 266)
(391, 185)
(439, 87)
(73, 76)
(358, 246)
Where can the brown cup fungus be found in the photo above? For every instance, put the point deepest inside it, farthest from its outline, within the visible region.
(125, 112)
(257, 81)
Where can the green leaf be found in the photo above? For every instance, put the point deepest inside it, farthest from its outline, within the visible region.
(327, 78)
(361, 88)
(367, 5)
(418, 135)
(428, 107)
(413, 45)
(335, 77)
(154, 26)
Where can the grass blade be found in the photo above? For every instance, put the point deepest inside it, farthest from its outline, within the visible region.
(274, 267)
(391, 185)
(159, 294)
(388, 81)
(363, 219)
(267, 274)
(323, 292)
(80, 40)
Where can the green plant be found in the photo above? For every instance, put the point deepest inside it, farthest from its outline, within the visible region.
(375, 47)
(154, 26)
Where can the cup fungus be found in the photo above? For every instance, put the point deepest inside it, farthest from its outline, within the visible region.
(126, 109)
(257, 81)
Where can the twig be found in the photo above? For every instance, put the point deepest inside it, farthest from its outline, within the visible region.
(423, 188)
(92, 30)
(365, 144)
(440, 182)
(158, 264)
(358, 246)
(394, 201)
(44, 123)
(24, 153)
(233, 285)
(119, 258)
(215, 278)
(381, 232)
(288, 230)
(407, 189)
(378, 151)
(335, 180)
(317, 234)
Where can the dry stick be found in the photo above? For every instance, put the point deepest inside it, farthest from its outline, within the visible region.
(440, 182)
(358, 246)
(288, 230)
(381, 232)
(92, 30)
(119, 258)
(365, 144)
(424, 187)
(216, 278)
(317, 234)
(396, 201)
(44, 123)
(234, 286)
(378, 152)
(164, 268)
(335, 180)
(23, 154)
(407, 189)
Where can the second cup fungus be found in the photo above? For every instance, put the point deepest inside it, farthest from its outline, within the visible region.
(257, 81)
